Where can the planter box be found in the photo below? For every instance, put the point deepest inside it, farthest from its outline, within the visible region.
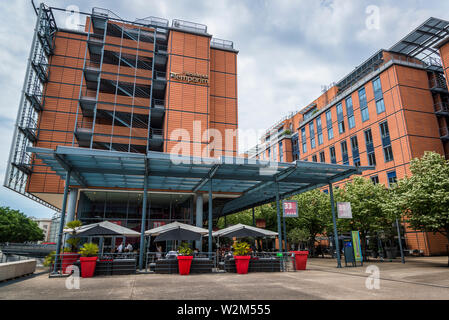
(11, 270)
(170, 266)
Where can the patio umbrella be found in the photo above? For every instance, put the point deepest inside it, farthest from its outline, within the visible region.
(104, 228)
(178, 234)
(177, 231)
(242, 231)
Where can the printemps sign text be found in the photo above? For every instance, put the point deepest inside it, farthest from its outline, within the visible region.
(190, 77)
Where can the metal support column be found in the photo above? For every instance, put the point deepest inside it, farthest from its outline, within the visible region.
(199, 218)
(62, 222)
(285, 232)
(71, 205)
(209, 222)
(144, 216)
(254, 219)
(278, 210)
(337, 246)
(400, 241)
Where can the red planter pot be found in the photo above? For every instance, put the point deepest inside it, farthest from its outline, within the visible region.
(242, 264)
(184, 263)
(68, 259)
(88, 266)
(300, 259)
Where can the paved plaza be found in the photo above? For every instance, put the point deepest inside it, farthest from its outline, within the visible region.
(419, 278)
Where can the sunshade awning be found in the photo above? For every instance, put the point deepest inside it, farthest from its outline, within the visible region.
(242, 230)
(178, 234)
(251, 182)
(175, 226)
(104, 228)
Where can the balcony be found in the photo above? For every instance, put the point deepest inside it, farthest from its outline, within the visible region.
(35, 99)
(156, 138)
(92, 71)
(87, 105)
(24, 163)
(441, 108)
(29, 129)
(83, 133)
(438, 85)
(444, 134)
(95, 44)
(160, 80)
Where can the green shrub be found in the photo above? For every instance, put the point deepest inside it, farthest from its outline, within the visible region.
(185, 250)
(89, 250)
(241, 248)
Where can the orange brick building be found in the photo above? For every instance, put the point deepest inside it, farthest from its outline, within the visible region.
(389, 110)
(121, 86)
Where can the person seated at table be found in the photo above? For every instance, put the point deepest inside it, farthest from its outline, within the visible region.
(120, 248)
(129, 248)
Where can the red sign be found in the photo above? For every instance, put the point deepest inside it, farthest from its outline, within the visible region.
(290, 209)
(157, 224)
(261, 223)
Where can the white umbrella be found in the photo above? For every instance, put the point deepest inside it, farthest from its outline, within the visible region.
(103, 228)
(175, 225)
(243, 230)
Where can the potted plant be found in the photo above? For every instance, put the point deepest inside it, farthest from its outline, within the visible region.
(184, 258)
(70, 256)
(241, 249)
(88, 259)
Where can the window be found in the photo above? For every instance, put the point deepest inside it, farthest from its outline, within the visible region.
(330, 131)
(370, 148)
(319, 130)
(391, 178)
(375, 179)
(380, 106)
(363, 105)
(340, 119)
(322, 157)
(269, 153)
(350, 113)
(378, 96)
(332, 154)
(344, 152)
(304, 142)
(281, 152)
(314, 159)
(275, 154)
(386, 141)
(355, 151)
(312, 135)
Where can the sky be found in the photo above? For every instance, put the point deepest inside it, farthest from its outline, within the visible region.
(288, 50)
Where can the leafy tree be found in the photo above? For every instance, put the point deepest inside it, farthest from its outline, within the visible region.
(423, 198)
(298, 236)
(368, 216)
(314, 215)
(16, 227)
(73, 241)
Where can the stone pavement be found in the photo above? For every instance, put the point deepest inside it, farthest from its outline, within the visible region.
(419, 278)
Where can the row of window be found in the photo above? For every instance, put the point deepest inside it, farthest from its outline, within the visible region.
(386, 145)
(380, 107)
(391, 176)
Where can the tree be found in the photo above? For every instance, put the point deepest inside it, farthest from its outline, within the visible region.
(366, 200)
(16, 227)
(298, 236)
(423, 198)
(314, 215)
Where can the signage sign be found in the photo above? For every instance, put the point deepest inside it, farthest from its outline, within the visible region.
(356, 245)
(190, 77)
(344, 210)
(290, 209)
(261, 223)
(157, 224)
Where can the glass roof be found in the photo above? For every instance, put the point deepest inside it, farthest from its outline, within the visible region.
(253, 182)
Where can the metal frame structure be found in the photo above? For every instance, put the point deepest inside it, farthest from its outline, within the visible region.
(32, 102)
(252, 182)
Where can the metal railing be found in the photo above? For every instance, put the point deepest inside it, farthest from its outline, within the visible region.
(441, 107)
(106, 264)
(444, 132)
(187, 25)
(220, 43)
(161, 262)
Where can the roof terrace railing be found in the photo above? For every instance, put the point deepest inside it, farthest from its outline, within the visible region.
(105, 13)
(190, 26)
(220, 43)
(154, 21)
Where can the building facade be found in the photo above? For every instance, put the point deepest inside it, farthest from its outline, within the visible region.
(389, 110)
(45, 225)
(128, 86)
